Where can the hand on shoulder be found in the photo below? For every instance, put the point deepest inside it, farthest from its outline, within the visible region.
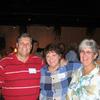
(63, 62)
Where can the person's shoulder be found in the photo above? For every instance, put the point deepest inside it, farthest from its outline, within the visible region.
(37, 60)
(35, 57)
(74, 65)
(44, 68)
(7, 58)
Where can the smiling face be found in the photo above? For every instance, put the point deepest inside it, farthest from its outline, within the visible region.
(88, 49)
(53, 59)
(87, 56)
(24, 47)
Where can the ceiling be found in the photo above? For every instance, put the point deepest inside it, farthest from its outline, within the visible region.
(69, 13)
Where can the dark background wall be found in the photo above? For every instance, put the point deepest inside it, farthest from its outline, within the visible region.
(45, 34)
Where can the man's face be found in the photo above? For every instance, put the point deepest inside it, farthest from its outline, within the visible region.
(24, 46)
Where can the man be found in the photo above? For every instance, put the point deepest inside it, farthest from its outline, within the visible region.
(20, 72)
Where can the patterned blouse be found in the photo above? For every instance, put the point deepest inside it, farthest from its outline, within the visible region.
(54, 85)
(85, 87)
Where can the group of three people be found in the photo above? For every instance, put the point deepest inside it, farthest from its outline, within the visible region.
(25, 76)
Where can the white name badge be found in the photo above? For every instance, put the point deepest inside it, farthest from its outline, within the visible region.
(62, 75)
(32, 70)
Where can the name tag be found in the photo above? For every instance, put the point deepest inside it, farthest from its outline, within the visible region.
(32, 70)
(62, 75)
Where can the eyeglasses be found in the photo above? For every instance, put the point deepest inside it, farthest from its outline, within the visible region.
(86, 52)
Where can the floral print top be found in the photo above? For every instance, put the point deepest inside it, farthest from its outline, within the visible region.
(85, 87)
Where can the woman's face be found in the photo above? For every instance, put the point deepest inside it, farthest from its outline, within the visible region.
(87, 56)
(53, 59)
